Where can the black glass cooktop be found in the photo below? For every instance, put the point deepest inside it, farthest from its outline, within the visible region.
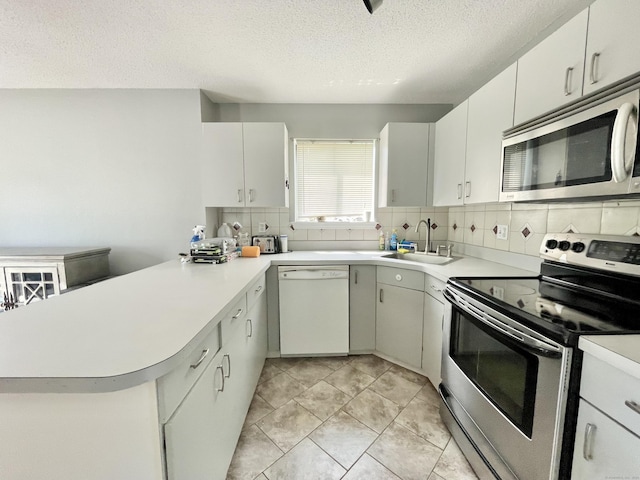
(563, 302)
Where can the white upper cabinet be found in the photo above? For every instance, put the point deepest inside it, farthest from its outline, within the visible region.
(406, 153)
(490, 113)
(612, 42)
(450, 152)
(245, 165)
(551, 73)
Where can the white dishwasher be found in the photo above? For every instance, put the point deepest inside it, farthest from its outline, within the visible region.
(314, 310)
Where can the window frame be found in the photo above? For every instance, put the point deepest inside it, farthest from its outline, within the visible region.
(293, 203)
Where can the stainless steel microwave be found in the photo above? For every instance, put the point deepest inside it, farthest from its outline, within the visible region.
(588, 151)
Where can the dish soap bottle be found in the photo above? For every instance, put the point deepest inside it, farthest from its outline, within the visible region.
(381, 241)
(393, 244)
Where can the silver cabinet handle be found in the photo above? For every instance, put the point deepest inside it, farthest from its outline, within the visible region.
(381, 296)
(239, 195)
(250, 322)
(251, 195)
(237, 315)
(201, 359)
(632, 405)
(259, 289)
(355, 277)
(467, 189)
(567, 81)
(219, 367)
(587, 446)
(393, 195)
(228, 374)
(434, 288)
(593, 74)
(459, 191)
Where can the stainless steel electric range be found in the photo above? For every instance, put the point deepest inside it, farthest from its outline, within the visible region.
(511, 366)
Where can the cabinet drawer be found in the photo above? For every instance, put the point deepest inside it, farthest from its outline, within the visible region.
(608, 389)
(255, 290)
(401, 278)
(173, 387)
(233, 318)
(434, 287)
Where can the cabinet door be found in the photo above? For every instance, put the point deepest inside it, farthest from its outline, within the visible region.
(432, 338)
(399, 317)
(222, 170)
(362, 308)
(490, 113)
(450, 153)
(612, 43)
(256, 341)
(404, 165)
(603, 448)
(266, 164)
(550, 74)
(197, 435)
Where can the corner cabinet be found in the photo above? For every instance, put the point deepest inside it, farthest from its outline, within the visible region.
(245, 164)
(406, 164)
(451, 150)
(399, 314)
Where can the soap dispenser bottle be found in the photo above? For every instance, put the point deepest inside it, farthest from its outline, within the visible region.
(393, 243)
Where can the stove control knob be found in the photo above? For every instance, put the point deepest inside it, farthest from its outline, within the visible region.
(578, 247)
(551, 244)
(564, 245)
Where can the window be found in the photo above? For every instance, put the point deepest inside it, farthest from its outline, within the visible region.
(334, 180)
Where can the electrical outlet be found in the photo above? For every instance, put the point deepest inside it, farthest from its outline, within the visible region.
(503, 232)
(262, 227)
(498, 292)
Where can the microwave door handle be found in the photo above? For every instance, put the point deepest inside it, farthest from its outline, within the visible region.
(621, 153)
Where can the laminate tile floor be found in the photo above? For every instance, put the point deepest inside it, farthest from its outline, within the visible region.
(351, 418)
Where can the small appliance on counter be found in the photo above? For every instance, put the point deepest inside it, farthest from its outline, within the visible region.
(267, 243)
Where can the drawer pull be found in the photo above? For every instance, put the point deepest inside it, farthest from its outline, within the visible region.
(203, 355)
(398, 277)
(219, 367)
(228, 374)
(250, 323)
(259, 289)
(237, 315)
(632, 405)
(587, 446)
(436, 289)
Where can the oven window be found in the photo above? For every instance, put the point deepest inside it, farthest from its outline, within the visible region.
(503, 371)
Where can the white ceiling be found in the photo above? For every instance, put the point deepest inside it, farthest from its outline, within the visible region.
(273, 51)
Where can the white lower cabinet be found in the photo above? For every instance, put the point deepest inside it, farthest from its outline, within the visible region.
(608, 428)
(201, 435)
(199, 438)
(362, 308)
(432, 329)
(399, 315)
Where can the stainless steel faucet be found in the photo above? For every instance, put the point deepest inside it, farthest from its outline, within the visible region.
(427, 222)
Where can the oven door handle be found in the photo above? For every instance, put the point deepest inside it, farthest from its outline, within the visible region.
(525, 341)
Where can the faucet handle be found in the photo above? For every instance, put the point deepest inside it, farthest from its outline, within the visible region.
(449, 248)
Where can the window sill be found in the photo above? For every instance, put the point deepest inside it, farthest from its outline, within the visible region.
(333, 225)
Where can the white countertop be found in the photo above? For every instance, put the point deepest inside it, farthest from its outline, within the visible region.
(620, 351)
(136, 328)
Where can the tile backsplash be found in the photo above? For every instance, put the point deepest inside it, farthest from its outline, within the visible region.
(472, 224)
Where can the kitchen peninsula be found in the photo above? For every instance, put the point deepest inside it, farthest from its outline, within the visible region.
(90, 382)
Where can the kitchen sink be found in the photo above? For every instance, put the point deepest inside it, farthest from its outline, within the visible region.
(430, 258)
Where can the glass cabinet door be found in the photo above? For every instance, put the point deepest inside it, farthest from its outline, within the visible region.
(32, 284)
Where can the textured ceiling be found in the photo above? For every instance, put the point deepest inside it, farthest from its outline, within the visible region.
(272, 51)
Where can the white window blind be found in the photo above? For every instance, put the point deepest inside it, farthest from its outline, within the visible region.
(334, 179)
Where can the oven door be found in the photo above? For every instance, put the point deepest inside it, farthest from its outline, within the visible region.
(505, 385)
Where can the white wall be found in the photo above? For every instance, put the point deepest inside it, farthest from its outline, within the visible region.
(101, 168)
